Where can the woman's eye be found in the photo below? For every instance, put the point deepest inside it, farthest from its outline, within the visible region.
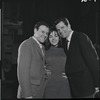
(56, 35)
(50, 36)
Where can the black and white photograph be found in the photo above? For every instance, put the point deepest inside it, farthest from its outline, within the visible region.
(0, 51)
(49, 49)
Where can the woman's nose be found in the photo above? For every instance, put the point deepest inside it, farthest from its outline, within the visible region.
(53, 38)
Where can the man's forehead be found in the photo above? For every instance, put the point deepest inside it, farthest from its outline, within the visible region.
(43, 27)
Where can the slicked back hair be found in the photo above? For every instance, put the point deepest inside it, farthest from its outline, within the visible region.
(63, 19)
(38, 24)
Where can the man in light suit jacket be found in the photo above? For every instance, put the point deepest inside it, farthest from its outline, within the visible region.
(31, 63)
(82, 65)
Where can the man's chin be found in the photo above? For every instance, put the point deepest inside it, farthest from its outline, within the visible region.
(42, 41)
(63, 36)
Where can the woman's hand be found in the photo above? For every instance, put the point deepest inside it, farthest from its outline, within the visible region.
(48, 72)
(64, 75)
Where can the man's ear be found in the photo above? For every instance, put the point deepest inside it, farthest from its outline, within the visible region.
(69, 27)
(35, 30)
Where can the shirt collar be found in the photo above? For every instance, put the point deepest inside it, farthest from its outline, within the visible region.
(37, 41)
(69, 37)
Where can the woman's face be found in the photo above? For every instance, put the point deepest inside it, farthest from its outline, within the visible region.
(54, 38)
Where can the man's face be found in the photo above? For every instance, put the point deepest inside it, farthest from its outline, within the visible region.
(62, 29)
(42, 33)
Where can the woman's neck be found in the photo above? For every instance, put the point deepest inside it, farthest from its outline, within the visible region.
(55, 46)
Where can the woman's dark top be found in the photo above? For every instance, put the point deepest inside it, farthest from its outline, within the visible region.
(57, 86)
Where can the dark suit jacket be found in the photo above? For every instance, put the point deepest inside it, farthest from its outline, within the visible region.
(30, 67)
(82, 66)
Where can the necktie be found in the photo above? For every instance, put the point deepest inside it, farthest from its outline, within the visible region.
(66, 46)
(42, 49)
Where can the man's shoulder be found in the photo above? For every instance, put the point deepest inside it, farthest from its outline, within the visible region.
(80, 34)
(25, 43)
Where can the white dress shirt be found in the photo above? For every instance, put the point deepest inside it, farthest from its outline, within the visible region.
(40, 45)
(69, 39)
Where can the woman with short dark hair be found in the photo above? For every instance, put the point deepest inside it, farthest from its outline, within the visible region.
(57, 82)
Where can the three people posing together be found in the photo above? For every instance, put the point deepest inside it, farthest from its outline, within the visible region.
(57, 62)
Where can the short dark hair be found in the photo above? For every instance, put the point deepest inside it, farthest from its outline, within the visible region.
(63, 19)
(47, 42)
(38, 24)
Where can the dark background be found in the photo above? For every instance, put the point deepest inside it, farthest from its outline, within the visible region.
(83, 16)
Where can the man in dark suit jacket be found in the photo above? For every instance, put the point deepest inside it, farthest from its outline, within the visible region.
(31, 64)
(82, 65)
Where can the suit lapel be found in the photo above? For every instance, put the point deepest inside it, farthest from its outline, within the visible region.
(37, 47)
